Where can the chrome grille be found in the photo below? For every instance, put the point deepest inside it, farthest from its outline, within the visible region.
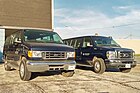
(54, 55)
(125, 54)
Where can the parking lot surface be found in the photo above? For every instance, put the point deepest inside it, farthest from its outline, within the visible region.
(84, 81)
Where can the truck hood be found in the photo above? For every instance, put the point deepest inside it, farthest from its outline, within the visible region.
(115, 49)
(48, 47)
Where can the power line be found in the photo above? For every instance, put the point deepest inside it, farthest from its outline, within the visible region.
(116, 26)
(129, 36)
(126, 25)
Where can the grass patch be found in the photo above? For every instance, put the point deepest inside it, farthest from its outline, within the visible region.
(137, 54)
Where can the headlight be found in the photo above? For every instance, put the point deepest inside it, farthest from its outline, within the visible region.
(111, 54)
(70, 54)
(34, 54)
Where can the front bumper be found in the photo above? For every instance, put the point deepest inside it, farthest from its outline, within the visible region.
(119, 63)
(34, 66)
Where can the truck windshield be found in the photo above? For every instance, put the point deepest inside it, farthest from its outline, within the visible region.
(105, 41)
(41, 36)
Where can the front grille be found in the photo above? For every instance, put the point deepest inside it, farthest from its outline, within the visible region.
(125, 54)
(54, 55)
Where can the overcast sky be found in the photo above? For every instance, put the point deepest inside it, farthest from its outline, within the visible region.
(116, 18)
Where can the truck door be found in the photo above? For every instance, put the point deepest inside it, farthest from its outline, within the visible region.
(13, 53)
(17, 46)
(86, 50)
(7, 48)
(10, 48)
(77, 46)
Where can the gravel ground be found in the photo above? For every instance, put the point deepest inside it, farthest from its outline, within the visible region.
(84, 81)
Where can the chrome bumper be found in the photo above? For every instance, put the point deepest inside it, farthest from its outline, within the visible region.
(45, 66)
(120, 63)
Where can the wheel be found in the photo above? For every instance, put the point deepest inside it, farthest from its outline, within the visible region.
(68, 73)
(25, 75)
(6, 67)
(99, 66)
(125, 70)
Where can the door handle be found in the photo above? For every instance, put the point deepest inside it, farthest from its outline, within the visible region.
(95, 48)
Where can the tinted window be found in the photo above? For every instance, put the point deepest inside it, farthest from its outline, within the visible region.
(41, 36)
(87, 42)
(12, 37)
(7, 42)
(68, 42)
(78, 42)
(73, 42)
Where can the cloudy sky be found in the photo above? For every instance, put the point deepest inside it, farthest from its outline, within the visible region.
(117, 18)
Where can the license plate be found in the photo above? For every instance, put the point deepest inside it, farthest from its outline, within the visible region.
(71, 67)
(127, 65)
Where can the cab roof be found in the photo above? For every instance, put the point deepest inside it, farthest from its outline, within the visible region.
(86, 36)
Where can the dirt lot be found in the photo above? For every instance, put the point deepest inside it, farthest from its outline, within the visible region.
(84, 81)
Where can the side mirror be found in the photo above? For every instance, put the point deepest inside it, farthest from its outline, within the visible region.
(17, 40)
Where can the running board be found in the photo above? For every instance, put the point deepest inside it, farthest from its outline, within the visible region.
(84, 65)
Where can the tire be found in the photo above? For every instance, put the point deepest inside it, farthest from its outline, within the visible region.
(25, 75)
(6, 67)
(67, 73)
(99, 66)
(125, 70)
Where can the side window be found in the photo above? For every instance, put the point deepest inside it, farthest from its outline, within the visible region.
(87, 42)
(68, 42)
(56, 38)
(78, 43)
(12, 37)
(64, 42)
(72, 42)
(75, 43)
(7, 42)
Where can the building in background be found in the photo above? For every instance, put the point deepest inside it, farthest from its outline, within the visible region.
(26, 14)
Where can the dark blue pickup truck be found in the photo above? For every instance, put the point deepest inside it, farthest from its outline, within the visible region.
(101, 52)
(32, 50)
